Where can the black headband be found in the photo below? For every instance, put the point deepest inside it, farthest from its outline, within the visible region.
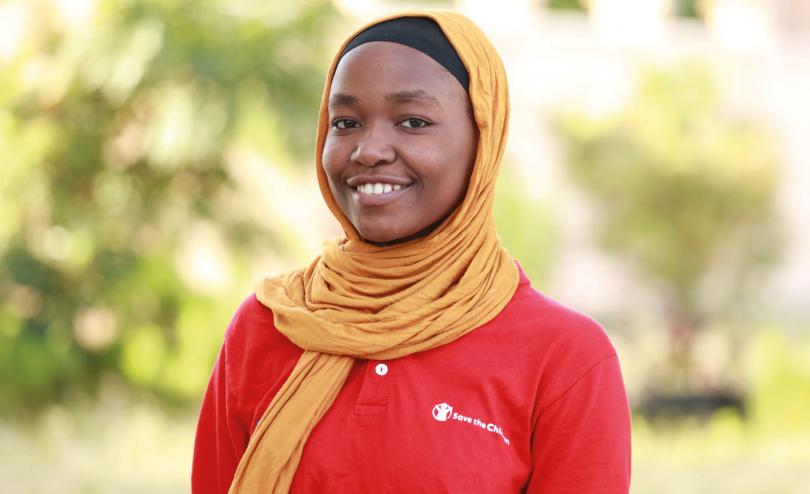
(420, 33)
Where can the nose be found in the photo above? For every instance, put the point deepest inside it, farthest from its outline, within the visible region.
(374, 147)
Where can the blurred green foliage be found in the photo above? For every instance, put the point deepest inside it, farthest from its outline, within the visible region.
(683, 8)
(779, 372)
(565, 5)
(687, 8)
(115, 134)
(527, 225)
(685, 190)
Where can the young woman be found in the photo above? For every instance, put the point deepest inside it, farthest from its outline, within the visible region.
(413, 355)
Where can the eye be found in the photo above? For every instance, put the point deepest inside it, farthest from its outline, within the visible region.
(344, 124)
(414, 123)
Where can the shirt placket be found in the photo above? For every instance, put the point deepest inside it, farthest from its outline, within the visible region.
(372, 401)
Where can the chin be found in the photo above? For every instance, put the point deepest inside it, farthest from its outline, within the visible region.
(379, 238)
(383, 235)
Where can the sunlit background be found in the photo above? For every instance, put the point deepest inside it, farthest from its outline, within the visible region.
(156, 161)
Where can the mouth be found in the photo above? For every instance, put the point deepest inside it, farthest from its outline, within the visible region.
(377, 191)
(377, 188)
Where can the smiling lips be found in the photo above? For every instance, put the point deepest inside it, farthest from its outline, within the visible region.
(377, 190)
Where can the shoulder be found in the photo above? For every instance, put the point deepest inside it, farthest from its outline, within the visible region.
(555, 344)
(257, 354)
(252, 324)
(253, 328)
(554, 329)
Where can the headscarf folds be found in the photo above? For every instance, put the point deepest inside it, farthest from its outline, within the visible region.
(358, 300)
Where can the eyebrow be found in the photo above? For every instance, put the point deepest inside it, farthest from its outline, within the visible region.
(399, 97)
(340, 99)
(409, 96)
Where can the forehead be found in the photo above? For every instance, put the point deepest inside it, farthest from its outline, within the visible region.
(384, 63)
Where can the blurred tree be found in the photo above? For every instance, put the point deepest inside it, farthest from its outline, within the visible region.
(115, 128)
(685, 190)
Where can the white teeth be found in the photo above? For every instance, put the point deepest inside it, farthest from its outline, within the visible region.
(378, 188)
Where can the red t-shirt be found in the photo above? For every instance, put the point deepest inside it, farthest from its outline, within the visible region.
(533, 401)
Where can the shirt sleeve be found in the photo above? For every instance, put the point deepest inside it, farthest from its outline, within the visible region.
(581, 440)
(221, 437)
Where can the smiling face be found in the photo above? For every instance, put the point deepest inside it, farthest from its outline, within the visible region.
(401, 142)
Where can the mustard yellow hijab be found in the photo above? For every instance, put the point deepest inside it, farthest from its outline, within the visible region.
(358, 300)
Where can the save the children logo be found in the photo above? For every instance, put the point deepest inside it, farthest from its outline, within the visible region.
(444, 412)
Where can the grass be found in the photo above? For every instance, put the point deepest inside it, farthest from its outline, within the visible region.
(115, 446)
(725, 455)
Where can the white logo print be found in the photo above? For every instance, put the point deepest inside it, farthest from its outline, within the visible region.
(442, 411)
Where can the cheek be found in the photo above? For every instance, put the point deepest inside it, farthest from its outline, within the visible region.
(457, 160)
(465, 150)
(333, 169)
(331, 161)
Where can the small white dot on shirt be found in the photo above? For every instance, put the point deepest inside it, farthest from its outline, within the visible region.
(381, 369)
